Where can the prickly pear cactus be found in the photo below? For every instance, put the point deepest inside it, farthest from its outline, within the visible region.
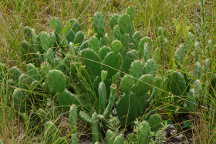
(102, 92)
(143, 132)
(111, 102)
(56, 81)
(14, 73)
(92, 61)
(136, 68)
(104, 51)
(180, 54)
(114, 20)
(29, 34)
(110, 137)
(24, 81)
(197, 70)
(112, 63)
(20, 99)
(119, 139)
(73, 117)
(79, 37)
(33, 72)
(98, 24)
(116, 46)
(94, 43)
(75, 26)
(127, 83)
(155, 122)
(125, 23)
(95, 128)
(55, 24)
(176, 83)
(150, 67)
(133, 102)
(66, 98)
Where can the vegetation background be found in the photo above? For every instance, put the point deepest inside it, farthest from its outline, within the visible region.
(177, 16)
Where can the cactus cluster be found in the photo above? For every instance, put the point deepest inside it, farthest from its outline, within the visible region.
(117, 75)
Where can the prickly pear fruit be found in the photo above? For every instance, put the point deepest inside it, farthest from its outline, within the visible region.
(98, 24)
(19, 98)
(51, 133)
(116, 46)
(155, 122)
(125, 23)
(79, 37)
(176, 83)
(56, 81)
(66, 98)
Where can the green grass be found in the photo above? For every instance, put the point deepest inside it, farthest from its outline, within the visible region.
(177, 17)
